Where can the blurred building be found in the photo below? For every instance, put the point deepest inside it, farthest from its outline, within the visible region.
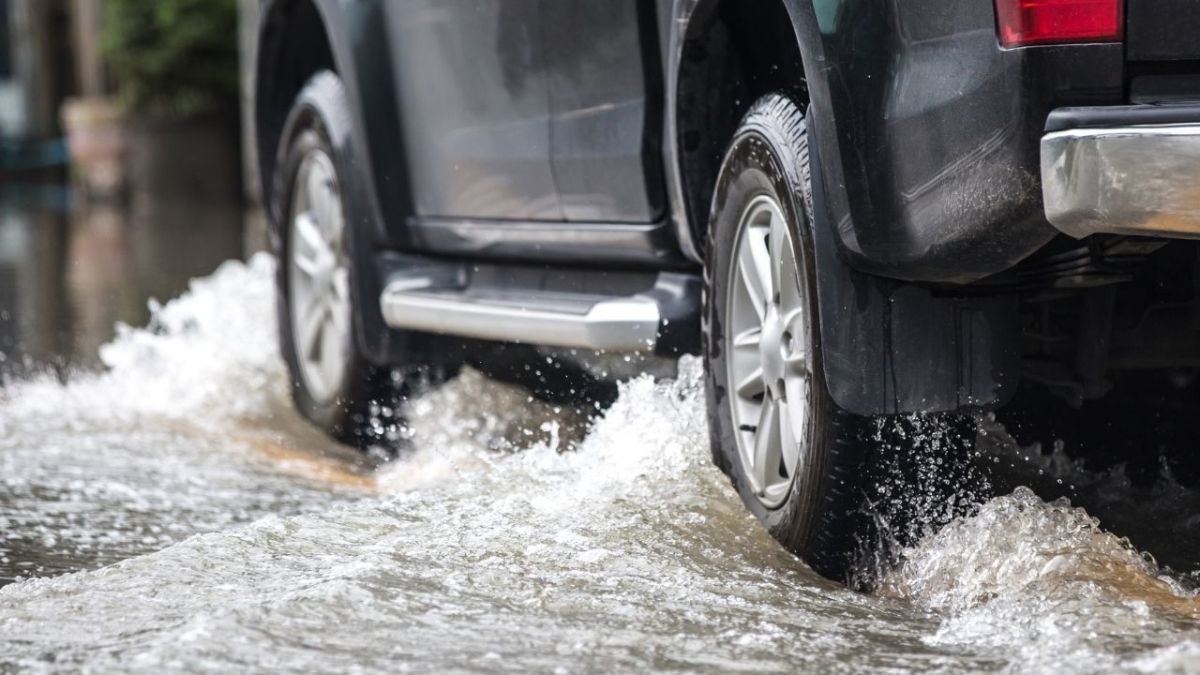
(37, 66)
(49, 50)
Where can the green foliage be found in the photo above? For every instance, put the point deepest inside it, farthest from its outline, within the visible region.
(173, 57)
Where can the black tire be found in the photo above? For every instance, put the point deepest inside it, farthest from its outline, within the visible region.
(320, 119)
(821, 518)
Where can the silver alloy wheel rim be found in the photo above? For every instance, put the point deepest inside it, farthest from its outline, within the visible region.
(319, 277)
(766, 344)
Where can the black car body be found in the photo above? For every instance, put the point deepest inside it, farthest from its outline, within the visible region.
(566, 148)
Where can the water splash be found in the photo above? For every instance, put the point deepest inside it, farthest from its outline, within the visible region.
(516, 536)
(187, 430)
(923, 472)
(1163, 515)
(1041, 584)
(209, 355)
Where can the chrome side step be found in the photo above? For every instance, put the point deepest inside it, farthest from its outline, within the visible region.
(553, 318)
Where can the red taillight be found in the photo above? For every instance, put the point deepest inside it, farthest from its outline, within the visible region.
(1038, 22)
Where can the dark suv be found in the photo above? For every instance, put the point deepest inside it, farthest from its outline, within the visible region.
(851, 208)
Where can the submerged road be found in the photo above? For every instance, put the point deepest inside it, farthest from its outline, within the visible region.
(170, 511)
(163, 508)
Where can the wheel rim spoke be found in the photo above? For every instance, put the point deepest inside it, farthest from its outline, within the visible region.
(337, 226)
(791, 430)
(748, 339)
(308, 268)
(779, 244)
(310, 332)
(796, 365)
(766, 444)
(318, 195)
(754, 266)
(310, 244)
(341, 285)
(752, 385)
(791, 302)
(330, 350)
(339, 311)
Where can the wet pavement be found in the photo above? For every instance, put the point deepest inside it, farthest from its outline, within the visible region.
(163, 509)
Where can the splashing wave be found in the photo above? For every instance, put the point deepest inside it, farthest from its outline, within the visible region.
(517, 536)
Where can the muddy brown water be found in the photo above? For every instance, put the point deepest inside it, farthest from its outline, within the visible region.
(163, 509)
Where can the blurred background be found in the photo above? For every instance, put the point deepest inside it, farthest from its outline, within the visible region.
(121, 165)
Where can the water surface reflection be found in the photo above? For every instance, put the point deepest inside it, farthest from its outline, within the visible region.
(71, 271)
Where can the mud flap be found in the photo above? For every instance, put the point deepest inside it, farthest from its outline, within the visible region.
(893, 347)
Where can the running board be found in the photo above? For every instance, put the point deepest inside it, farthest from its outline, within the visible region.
(525, 306)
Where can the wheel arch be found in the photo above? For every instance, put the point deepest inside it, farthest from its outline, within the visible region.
(733, 52)
(890, 347)
(296, 40)
(292, 46)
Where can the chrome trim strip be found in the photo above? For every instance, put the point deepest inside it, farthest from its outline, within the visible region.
(1138, 180)
(628, 324)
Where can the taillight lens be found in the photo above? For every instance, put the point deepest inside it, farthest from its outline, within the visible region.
(1039, 22)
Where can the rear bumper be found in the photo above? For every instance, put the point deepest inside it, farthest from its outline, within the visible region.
(1131, 170)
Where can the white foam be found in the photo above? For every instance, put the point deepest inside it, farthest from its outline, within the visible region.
(209, 354)
(517, 534)
(1041, 584)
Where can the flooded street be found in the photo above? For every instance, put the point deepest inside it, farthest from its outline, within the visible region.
(163, 509)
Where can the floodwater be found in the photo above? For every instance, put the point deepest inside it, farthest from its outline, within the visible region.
(162, 509)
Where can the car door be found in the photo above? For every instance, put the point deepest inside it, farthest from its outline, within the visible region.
(604, 78)
(474, 100)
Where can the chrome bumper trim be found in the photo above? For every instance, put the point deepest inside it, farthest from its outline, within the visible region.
(1137, 180)
(624, 324)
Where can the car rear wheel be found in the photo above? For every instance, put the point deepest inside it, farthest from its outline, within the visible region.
(793, 455)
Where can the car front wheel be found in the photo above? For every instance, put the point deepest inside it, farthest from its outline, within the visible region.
(333, 384)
